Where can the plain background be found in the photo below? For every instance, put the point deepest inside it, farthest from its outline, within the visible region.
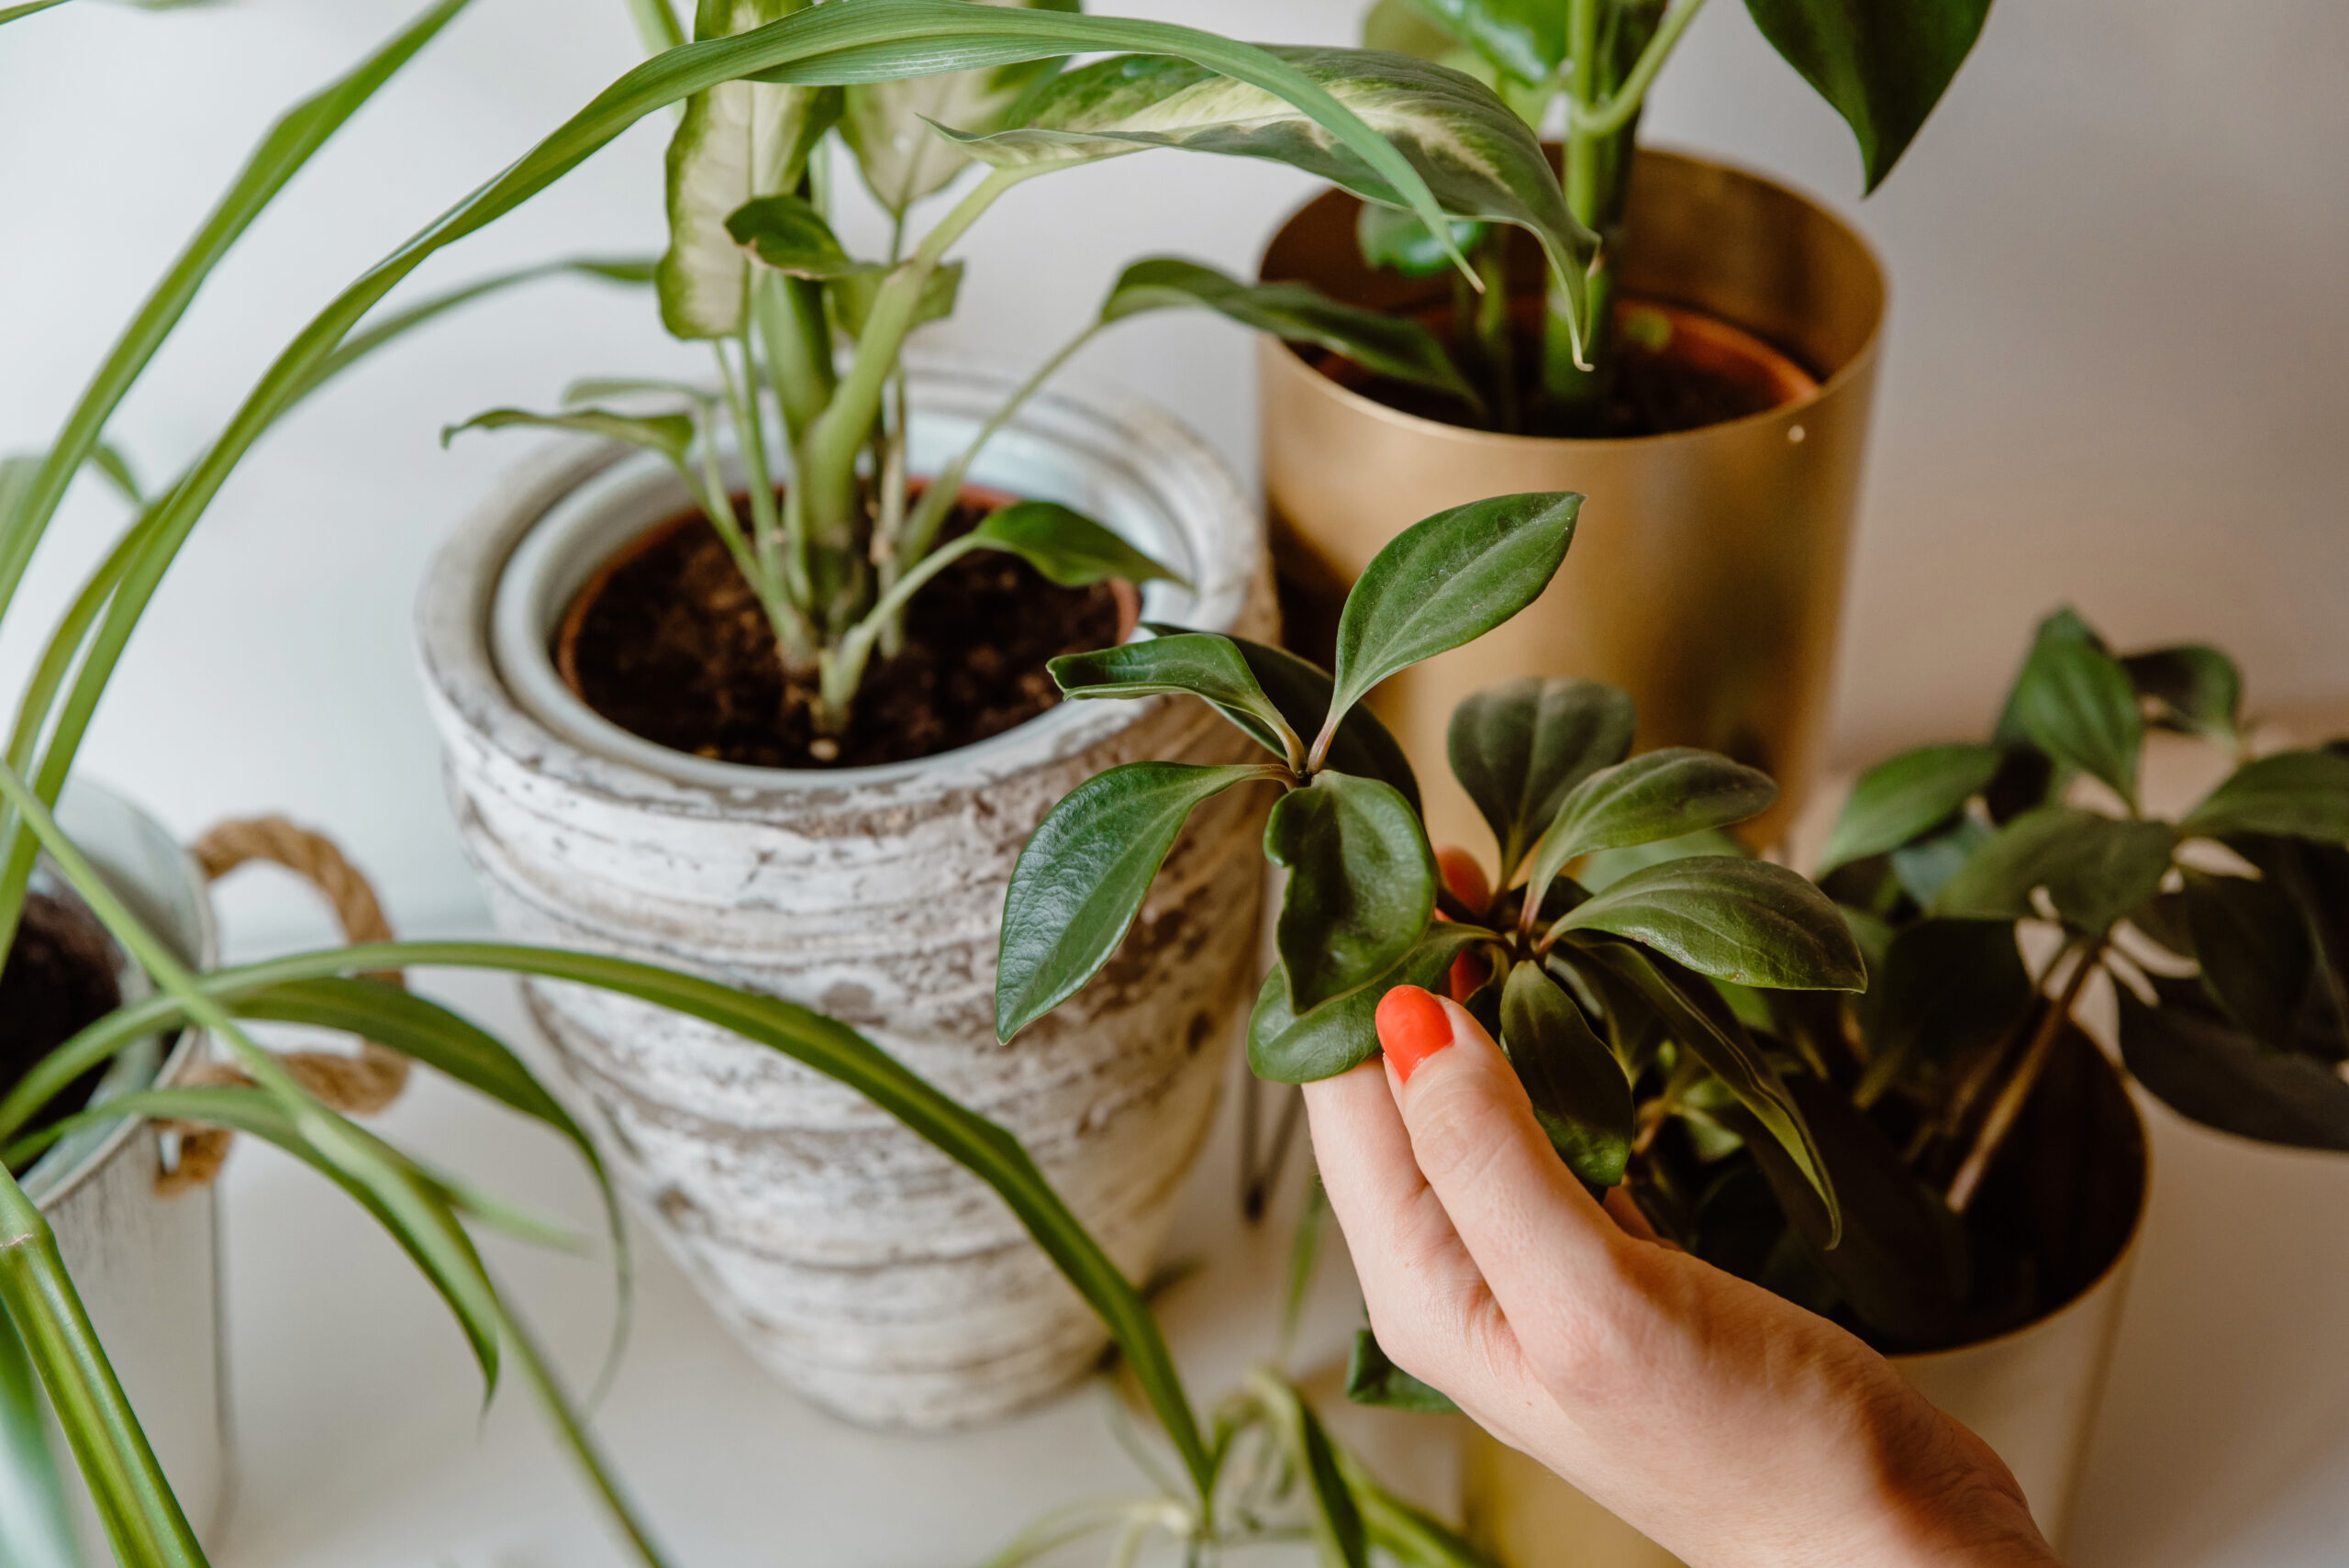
(2114, 374)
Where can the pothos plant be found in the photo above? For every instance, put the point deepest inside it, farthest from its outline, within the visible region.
(831, 533)
(1589, 65)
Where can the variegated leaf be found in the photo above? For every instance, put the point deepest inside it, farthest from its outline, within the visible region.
(883, 125)
(738, 141)
(1478, 158)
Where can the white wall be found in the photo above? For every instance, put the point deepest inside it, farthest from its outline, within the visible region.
(2116, 370)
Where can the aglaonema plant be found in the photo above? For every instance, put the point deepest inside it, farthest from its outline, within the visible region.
(799, 457)
(1590, 64)
(1583, 990)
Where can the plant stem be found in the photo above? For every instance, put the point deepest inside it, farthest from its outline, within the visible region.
(789, 313)
(1494, 343)
(2008, 1107)
(1621, 106)
(843, 664)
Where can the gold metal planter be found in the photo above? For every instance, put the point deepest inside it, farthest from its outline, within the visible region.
(1707, 573)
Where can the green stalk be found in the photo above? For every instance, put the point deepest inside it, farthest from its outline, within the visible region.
(1494, 332)
(768, 535)
(844, 664)
(789, 313)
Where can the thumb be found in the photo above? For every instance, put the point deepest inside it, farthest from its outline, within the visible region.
(1529, 1225)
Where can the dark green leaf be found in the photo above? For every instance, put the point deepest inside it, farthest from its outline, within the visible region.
(2095, 868)
(1883, 67)
(1923, 868)
(670, 435)
(1394, 346)
(1372, 1379)
(2194, 688)
(2074, 701)
(1337, 1520)
(1396, 241)
(2205, 1069)
(1082, 877)
(2064, 625)
(1749, 921)
(1580, 1095)
(1946, 987)
(1525, 38)
(1519, 747)
(1341, 1034)
(1655, 797)
(787, 233)
(1903, 796)
(1446, 581)
(1607, 867)
(2254, 949)
(1197, 663)
(2298, 794)
(1361, 885)
(1066, 546)
(852, 296)
(1363, 746)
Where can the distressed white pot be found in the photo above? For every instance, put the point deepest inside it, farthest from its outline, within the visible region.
(144, 1264)
(858, 1264)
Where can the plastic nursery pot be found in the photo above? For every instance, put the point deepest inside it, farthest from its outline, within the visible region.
(854, 1260)
(144, 1262)
(2031, 1392)
(1707, 574)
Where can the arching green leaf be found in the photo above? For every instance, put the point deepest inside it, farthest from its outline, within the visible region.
(1650, 798)
(2074, 701)
(670, 435)
(1361, 885)
(1066, 546)
(1199, 664)
(1300, 689)
(2096, 868)
(787, 233)
(2194, 687)
(1579, 1093)
(1904, 796)
(2293, 794)
(1521, 747)
(1287, 1047)
(1883, 67)
(1747, 921)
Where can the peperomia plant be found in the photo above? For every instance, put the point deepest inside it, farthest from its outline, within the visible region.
(1590, 64)
(831, 533)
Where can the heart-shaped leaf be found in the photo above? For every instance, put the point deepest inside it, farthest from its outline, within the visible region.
(2074, 701)
(2195, 688)
(2293, 794)
(2205, 1069)
(670, 435)
(1903, 796)
(1083, 876)
(2254, 949)
(1066, 546)
(1447, 580)
(1469, 149)
(1361, 885)
(1520, 747)
(1881, 67)
(1285, 1047)
(2096, 868)
(1392, 346)
(1580, 1095)
(787, 233)
(1197, 663)
(1747, 921)
(1650, 798)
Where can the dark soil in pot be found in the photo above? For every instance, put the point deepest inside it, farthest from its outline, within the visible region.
(668, 641)
(60, 976)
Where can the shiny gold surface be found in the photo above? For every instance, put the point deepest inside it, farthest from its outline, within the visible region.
(1706, 573)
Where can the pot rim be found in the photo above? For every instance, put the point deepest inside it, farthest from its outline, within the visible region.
(1860, 361)
(465, 662)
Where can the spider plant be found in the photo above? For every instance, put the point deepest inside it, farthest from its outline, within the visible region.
(807, 339)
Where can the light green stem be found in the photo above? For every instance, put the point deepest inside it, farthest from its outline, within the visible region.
(844, 664)
(1616, 111)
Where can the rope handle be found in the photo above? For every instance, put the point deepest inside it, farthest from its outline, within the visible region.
(355, 1085)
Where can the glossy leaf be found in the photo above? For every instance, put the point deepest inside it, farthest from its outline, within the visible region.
(1903, 796)
(1447, 580)
(2296, 795)
(670, 435)
(1341, 1034)
(1300, 689)
(1066, 546)
(2207, 1070)
(2195, 688)
(1647, 799)
(1361, 885)
(1746, 921)
(1579, 1093)
(1392, 346)
(1084, 873)
(786, 232)
(1373, 1379)
(1525, 38)
(737, 142)
(1883, 67)
(1396, 241)
(2074, 701)
(1519, 747)
(1607, 867)
(2254, 949)
(1196, 664)
(2096, 868)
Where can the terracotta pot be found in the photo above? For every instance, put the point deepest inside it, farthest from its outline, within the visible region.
(144, 1264)
(1707, 573)
(860, 1265)
(2031, 1394)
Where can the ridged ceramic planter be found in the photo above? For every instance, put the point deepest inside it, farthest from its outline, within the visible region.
(145, 1264)
(858, 1264)
(1707, 574)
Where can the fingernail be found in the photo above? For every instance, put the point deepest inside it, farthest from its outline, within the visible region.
(1412, 1026)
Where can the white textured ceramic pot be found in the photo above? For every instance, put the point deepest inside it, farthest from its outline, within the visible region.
(856, 1262)
(144, 1262)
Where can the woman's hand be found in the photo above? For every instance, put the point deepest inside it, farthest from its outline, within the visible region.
(1731, 1426)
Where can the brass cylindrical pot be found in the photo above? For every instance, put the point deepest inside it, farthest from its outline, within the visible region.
(1707, 573)
(2031, 1393)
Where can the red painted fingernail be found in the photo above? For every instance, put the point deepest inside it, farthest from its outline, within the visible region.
(1412, 1026)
